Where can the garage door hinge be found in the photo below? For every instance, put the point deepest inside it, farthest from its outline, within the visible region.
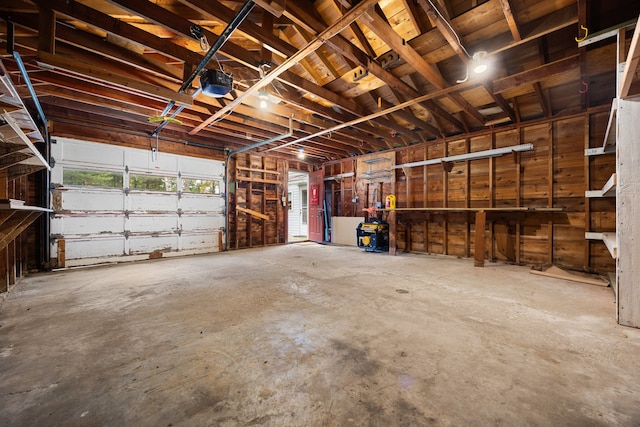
(126, 213)
(52, 161)
(126, 191)
(126, 234)
(179, 212)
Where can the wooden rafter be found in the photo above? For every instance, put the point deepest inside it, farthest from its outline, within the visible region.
(431, 73)
(631, 66)
(331, 31)
(511, 20)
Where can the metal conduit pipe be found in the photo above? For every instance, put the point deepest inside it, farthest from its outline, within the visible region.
(222, 39)
(46, 195)
(226, 173)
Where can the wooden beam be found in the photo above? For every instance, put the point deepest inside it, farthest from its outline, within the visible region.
(46, 30)
(553, 69)
(328, 33)
(275, 7)
(383, 30)
(558, 273)
(546, 109)
(631, 65)
(445, 29)
(83, 69)
(478, 255)
(217, 11)
(511, 20)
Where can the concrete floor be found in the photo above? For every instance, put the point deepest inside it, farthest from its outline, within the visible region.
(311, 335)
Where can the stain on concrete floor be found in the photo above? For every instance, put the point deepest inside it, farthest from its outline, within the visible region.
(313, 335)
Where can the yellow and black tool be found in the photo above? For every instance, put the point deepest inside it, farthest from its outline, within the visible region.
(373, 236)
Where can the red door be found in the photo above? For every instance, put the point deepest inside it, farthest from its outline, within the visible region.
(316, 206)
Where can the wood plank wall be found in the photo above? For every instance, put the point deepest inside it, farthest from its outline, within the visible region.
(555, 174)
(22, 253)
(257, 187)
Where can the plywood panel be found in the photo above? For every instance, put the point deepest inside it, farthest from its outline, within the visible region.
(343, 230)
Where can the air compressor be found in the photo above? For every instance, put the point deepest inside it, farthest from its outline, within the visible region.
(373, 235)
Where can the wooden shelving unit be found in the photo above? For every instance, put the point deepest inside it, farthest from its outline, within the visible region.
(19, 157)
(621, 139)
(608, 189)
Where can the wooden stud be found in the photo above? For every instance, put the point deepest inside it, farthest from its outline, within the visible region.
(518, 197)
(587, 201)
(62, 250)
(467, 199)
(481, 219)
(445, 201)
(550, 195)
(492, 168)
(392, 232)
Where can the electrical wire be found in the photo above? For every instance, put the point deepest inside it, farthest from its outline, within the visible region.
(450, 27)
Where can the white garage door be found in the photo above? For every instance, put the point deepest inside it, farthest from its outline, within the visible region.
(115, 203)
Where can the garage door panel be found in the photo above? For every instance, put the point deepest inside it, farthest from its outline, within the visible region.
(200, 168)
(153, 223)
(92, 201)
(199, 222)
(201, 241)
(153, 202)
(201, 203)
(94, 248)
(75, 151)
(147, 244)
(102, 222)
(142, 161)
(92, 225)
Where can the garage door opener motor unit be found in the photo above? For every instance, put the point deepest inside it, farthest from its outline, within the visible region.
(216, 83)
(373, 236)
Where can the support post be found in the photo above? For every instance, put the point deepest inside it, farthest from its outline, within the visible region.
(481, 220)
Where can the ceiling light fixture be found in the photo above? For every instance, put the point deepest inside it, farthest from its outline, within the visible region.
(301, 153)
(480, 62)
(263, 95)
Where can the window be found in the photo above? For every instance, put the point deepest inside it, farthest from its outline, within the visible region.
(152, 183)
(201, 186)
(303, 202)
(92, 178)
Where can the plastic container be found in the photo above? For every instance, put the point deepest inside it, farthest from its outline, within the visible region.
(391, 202)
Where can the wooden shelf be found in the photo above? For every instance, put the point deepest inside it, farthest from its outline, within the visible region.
(506, 209)
(608, 190)
(273, 172)
(609, 239)
(18, 132)
(15, 217)
(610, 133)
(264, 181)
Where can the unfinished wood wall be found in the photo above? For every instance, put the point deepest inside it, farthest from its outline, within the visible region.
(556, 174)
(20, 232)
(257, 216)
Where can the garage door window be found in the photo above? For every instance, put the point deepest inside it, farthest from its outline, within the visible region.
(92, 178)
(153, 183)
(200, 186)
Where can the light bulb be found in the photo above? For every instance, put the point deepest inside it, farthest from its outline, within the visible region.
(480, 62)
(480, 68)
